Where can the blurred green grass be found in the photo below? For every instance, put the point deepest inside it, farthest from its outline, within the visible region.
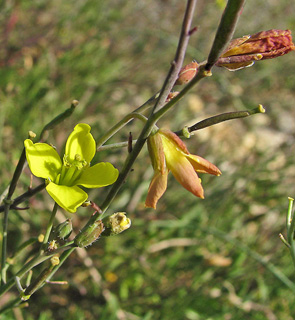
(173, 263)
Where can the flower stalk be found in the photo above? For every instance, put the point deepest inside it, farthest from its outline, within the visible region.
(220, 118)
(225, 30)
(49, 228)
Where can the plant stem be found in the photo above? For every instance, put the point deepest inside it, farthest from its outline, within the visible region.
(202, 73)
(39, 258)
(62, 259)
(167, 86)
(179, 56)
(119, 126)
(221, 118)
(24, 196)
(7, 205)
(12, 304)
(47, 273)
(289, 216)
(225, 30)
(58, 119)
(115, 146)
(49, 227)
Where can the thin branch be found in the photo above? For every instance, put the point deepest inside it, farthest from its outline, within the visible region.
(170, 80)
(225, 30)
(24, 196)
(179, 56)
(221, 118)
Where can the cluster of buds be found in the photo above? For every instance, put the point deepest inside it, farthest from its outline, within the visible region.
(243, 52)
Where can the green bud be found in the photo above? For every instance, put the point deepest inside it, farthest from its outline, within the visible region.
(117, 223)
(64, 229)
(87, 237)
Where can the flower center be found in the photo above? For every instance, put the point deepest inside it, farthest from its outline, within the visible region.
(71, 170)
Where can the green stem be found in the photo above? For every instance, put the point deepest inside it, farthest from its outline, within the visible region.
(221, 118)
(290, 224)
(115, 146)
(129, 117)
(39, 281)
(289, 216)
(62, 259)
(22, 247)
(39, 258)
(58, 119)
(154, 116)
(179, 56)
(47, 273)
(12, 304)
(4, 245)
(7, 205)
(27, 267)
(202, 73)
(49, 227)
(24, 196)
(225, 30)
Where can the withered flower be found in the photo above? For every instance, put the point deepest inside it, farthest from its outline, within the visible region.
(243, 52)
(169, 153)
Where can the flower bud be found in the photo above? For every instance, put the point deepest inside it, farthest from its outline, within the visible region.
(117, 223)
(52, 246)
(55, 261)
(64, 229)
(243, 52)
(91, 234)
(171, 95)
(187, 73)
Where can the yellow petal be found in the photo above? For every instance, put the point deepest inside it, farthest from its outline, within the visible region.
(69, 198)
(100, 175)
(185, 174)
(202, 165)
(157, 188)
(81, 142)
(43, 160)
(156, 151)
(181, 168)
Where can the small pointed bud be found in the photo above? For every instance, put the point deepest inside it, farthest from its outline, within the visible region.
(64, 229)
(86, 204)
(75, 103)
(31, 135)
(90, 235)
(187, 73)
(117, 223)
(171, 95)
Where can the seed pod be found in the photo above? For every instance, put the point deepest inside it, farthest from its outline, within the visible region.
(92, 233)
(64, 229)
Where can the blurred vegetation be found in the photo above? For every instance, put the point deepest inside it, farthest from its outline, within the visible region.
(190, 259)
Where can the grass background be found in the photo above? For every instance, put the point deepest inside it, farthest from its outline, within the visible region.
(191, 259)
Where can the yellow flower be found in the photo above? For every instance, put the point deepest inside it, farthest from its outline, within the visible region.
(63, 177)
(169, 153)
